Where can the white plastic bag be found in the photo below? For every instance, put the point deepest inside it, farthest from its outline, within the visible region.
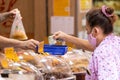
(17, 30)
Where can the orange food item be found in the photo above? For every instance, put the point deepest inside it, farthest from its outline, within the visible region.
(4, 63)
(20, 35)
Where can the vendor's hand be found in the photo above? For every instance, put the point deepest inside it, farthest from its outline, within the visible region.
(30, 44)
(60, 35)
(13, 12)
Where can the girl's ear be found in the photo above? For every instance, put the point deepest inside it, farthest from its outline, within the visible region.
(96, 31)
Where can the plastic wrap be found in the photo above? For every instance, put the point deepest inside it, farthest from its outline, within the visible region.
(21, 70)
(77, 60)
(55, 68)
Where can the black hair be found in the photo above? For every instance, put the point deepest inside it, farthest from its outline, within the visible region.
(95, 17)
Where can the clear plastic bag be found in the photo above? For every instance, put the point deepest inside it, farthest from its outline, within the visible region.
(21, 70)
(77, 60)
(54, 68)
(17, 30)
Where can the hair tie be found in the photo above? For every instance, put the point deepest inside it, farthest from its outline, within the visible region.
(104, 11)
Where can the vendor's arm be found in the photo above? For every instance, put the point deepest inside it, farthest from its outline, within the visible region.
(4, 16)
(79, 43)
(29, 44)
(10, 14)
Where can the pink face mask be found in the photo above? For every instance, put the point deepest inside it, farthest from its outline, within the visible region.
(92, 40)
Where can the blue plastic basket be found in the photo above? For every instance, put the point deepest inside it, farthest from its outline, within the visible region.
(55, 49)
